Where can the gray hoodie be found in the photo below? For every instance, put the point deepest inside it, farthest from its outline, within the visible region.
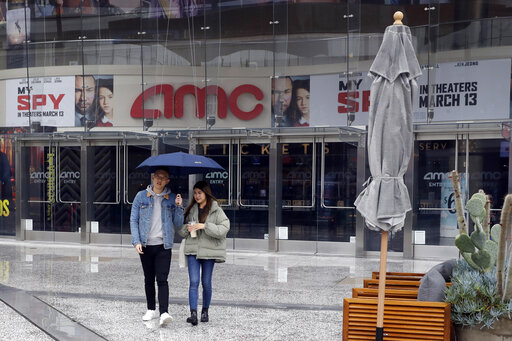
(155, 236)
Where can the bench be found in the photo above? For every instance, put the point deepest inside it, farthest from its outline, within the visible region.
(405, 294)
(395, 284)
(404, 320)
(404, 276)
(392, 284)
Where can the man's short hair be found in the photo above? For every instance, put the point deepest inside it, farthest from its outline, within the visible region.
(162, 168)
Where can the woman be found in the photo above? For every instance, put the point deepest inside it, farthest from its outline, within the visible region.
(105, 107)
(299, 111)
(205, 245)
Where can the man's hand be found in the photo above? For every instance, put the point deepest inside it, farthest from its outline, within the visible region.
(138, 247)
(178, 200)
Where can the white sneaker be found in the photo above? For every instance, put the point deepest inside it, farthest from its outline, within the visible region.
(165, 319)
(150, 314)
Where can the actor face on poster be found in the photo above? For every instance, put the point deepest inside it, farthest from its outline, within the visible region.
(94, 101)
(85, 93)
(105, 105)
(290, 101)
(299, 113)
(281, 98)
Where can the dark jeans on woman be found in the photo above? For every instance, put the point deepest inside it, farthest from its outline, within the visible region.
(197, 267)
(156, 262)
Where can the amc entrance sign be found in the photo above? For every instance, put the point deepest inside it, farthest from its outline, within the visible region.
(174, 101)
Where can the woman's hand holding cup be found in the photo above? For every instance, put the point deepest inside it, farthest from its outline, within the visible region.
(192, 229)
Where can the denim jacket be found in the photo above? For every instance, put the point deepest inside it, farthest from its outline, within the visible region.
(142, 211)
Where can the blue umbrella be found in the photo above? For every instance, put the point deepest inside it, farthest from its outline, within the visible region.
(180, 163)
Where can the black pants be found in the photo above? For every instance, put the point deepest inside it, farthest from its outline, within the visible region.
(156, 262)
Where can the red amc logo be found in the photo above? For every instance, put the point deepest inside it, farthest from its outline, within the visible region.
(173, 102)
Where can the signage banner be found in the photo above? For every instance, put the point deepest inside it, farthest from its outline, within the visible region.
(460, 91)
(334, 96)
(469, 90)
(177, 102)
(61, 101)
(49, 101)
(185, 102)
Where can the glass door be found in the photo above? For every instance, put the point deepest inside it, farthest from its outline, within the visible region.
(113, 182)
(482, 163)
(336, 215)
(434, 207)
(52, 197)
(133, 181)
(223, 182)
(53, 189)
(253, 189)
(299, 168)
(318, 183)
(488, 169)
(106, 190)
(242, 188)
(66, 209)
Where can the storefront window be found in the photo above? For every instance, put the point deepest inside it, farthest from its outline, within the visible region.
(298, 173)
(7, 202)
(254, 186)
(488, 170)
(433, 192)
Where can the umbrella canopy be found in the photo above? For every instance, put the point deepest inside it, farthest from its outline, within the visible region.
(385, 200)
(180, 163)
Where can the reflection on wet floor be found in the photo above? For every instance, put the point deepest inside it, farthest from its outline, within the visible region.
(256, 295)
(45, 317)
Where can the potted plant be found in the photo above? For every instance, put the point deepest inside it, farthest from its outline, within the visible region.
(481, 290)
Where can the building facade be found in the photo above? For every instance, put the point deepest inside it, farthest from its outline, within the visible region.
(276, 91)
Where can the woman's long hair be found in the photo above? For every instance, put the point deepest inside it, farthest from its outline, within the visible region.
(205, 188)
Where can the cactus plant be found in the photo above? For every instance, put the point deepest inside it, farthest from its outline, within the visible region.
(478, 250)
(485, 250)
(504, 282)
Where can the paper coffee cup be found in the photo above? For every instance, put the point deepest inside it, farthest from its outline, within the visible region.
(193, 233)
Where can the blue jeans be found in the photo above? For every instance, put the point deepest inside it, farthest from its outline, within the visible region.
(206, 268)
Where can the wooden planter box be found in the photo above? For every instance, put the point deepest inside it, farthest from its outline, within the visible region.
(404, 320)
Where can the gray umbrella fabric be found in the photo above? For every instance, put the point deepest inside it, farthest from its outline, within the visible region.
(385, 200)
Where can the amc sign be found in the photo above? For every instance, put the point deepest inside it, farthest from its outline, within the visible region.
(174, 101)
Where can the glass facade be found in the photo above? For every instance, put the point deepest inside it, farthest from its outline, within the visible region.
(224, 79)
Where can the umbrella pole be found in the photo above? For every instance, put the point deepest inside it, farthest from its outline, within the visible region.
(379, 332)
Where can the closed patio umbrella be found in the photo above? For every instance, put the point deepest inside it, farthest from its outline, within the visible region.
(385, 201)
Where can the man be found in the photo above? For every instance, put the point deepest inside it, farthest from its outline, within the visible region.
(85, 90)
(281, 98)
(156, 212)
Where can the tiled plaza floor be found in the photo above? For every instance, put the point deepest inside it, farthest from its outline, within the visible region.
(77, 292)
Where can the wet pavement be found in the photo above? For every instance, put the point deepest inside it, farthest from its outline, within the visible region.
(88, 292)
